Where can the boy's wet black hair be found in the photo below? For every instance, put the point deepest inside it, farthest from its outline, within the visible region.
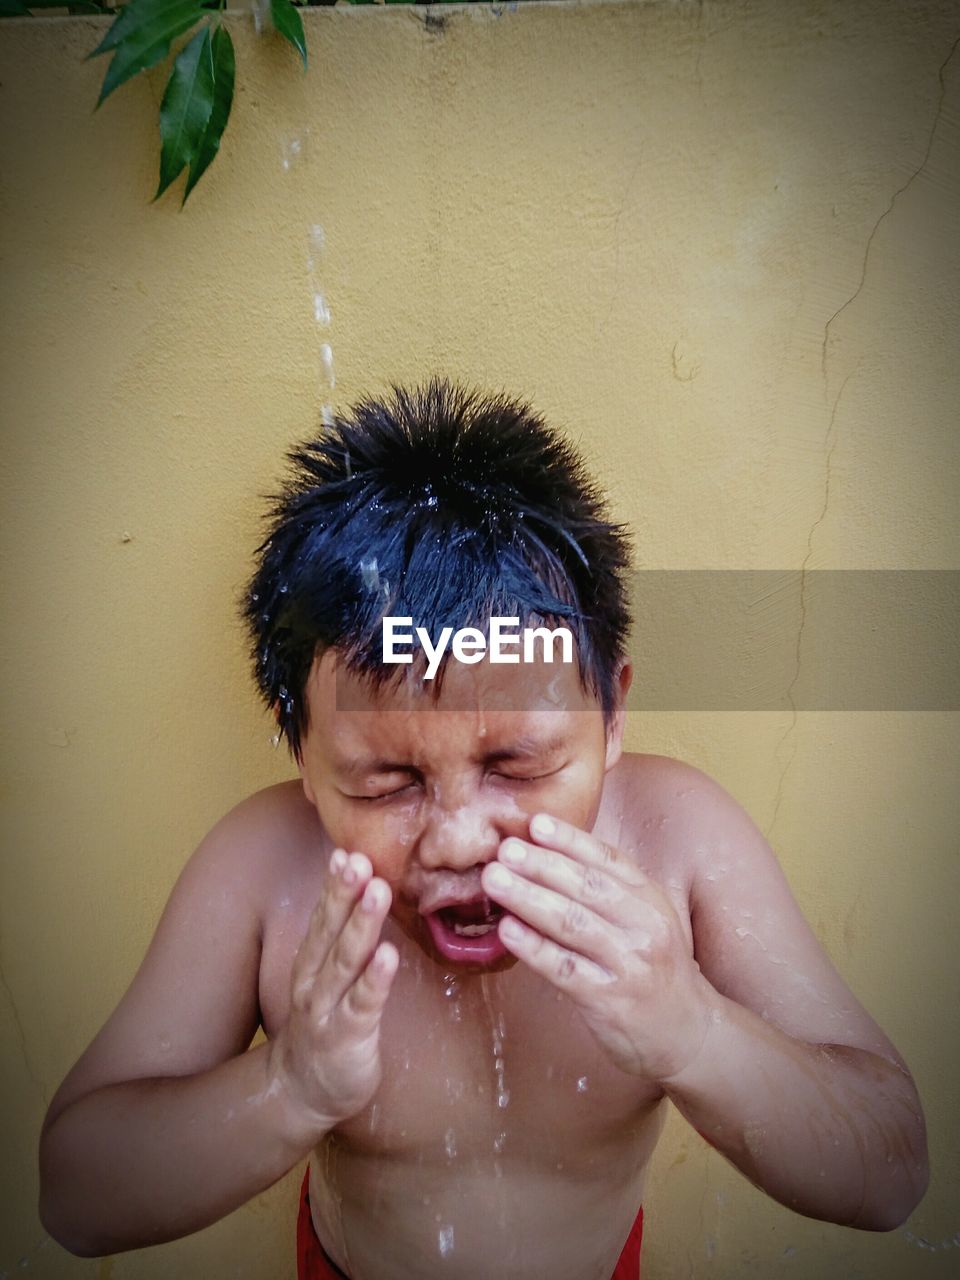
(444, 505)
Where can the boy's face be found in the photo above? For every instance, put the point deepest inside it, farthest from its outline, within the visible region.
(427, 787)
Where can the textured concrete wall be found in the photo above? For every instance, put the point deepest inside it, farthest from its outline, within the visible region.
(716, 241)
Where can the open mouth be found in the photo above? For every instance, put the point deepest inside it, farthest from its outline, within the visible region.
(466, 932)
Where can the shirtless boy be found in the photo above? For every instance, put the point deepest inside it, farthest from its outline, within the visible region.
(485, 946)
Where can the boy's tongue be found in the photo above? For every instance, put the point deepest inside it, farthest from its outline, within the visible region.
(466, 932)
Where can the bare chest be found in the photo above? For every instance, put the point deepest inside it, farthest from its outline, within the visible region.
(478, 1068)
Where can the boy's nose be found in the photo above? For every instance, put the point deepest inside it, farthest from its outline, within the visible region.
(460, 838)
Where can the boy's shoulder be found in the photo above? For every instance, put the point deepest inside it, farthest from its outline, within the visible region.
(272, 835)
(280, 809)
(267, 849)
(685, 814)
(666, 787)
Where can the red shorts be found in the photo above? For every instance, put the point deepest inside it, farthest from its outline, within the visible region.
(313, 1263)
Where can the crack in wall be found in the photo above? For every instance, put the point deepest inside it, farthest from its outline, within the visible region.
(889, 209)
(830, 444)
(830, 439)
(22, 1038)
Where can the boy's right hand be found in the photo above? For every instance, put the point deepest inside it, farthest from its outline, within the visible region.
(326, 1059)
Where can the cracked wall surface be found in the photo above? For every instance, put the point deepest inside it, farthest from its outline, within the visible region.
(718, 242)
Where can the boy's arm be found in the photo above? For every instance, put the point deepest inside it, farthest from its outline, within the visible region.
(755, 1037)
(165, 1124)
(795, 1083)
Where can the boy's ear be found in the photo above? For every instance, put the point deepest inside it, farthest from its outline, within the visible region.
(618, 719)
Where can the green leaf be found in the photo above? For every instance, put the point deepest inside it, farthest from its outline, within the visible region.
(224, 69)
(12, 9)
(132, 15)
(288, 22)
(141, 36)
(186, 108)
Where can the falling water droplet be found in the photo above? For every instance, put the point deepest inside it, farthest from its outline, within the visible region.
(259, 8)
(450, 1144)
(291, 152)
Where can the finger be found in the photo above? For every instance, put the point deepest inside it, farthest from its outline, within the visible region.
(354, 948)
(583, 847)
(568, 922)
(567, 970)
(584, 882)
(368, 995)
(346, 881)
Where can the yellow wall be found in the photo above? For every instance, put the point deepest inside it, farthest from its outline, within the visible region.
(682, 230)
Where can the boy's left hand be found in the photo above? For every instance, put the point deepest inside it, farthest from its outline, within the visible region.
(589, 920)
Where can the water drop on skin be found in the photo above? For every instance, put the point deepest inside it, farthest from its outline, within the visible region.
(582, 1085)
(445, 1241)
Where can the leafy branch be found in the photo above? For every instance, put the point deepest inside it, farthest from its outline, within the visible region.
(199, 94)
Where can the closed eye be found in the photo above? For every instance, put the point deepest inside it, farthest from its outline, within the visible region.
(534, 777)
(383, 795)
